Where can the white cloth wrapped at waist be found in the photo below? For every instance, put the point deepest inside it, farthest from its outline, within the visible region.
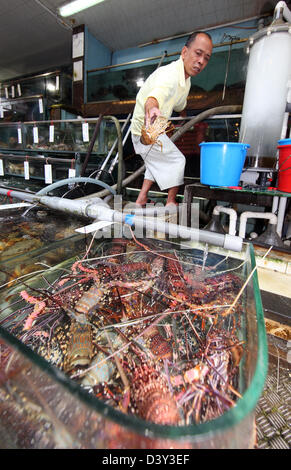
(164, 162)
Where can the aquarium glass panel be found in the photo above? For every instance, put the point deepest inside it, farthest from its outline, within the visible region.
(164, 343)
(123, 83)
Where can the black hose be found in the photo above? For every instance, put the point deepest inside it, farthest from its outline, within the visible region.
(93, 139)
(204, 115)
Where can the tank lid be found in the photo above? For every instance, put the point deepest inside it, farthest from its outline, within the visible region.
(273, 28)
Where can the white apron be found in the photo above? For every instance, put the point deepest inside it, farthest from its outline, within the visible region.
(164, 162)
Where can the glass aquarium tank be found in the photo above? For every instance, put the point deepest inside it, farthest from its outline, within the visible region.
(134, 343)
(122, 82)
(63, 144)
(26, 229)
(21, 97)
(33, 237)
(71, 135)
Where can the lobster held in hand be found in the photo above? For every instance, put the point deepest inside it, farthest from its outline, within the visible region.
(151, 133)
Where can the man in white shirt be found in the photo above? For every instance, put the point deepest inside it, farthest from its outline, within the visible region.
(166, 90)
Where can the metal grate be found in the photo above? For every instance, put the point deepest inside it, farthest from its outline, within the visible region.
(273, 411)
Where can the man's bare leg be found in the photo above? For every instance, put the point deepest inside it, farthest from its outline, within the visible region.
(172, 193)
(143, 195)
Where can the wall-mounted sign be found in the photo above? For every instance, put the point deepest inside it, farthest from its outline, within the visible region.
(78, 45)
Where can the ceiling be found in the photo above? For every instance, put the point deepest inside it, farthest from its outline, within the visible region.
(34, 39)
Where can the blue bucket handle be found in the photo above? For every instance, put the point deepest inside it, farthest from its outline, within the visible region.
(245, 147)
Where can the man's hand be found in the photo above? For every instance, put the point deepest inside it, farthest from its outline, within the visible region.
(152, 111)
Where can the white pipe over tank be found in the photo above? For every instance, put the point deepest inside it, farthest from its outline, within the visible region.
(98, 210)
(266, 91)
(282, 9)
(14, 206)
(232, 217)
(254, 215)
(281, 215)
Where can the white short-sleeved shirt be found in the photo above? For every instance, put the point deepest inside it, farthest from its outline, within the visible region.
(170, 88)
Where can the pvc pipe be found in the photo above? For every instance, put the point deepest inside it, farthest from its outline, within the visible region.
(14, 206)
(75, 206)
(275, 204)
(281, 9)
(97, 209)
(232, 217)
(281, 215)
(228, 242)
(78, 179)
(19, 195)
(151, 210)
(254, 215)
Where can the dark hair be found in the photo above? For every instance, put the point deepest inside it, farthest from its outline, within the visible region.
(193, 36)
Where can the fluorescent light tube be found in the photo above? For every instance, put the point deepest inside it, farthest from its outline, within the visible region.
(76, 6)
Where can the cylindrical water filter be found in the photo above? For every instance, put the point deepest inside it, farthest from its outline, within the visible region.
(267, 83)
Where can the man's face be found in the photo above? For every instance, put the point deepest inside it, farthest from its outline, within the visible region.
(197, 55)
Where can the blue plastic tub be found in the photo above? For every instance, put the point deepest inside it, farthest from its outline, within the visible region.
(221, 163)
(284, 142)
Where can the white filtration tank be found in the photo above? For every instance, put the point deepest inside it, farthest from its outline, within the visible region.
(267, 85)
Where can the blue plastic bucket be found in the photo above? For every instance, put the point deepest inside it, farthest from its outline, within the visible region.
(284, 142)
(221, 163)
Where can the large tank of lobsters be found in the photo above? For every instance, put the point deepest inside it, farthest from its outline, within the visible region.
(147, 330)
